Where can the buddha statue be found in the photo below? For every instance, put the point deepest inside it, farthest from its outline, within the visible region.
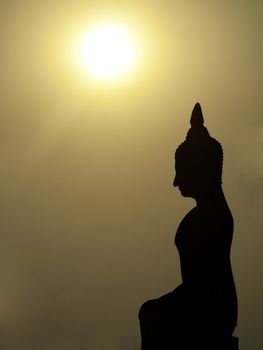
(201, 313)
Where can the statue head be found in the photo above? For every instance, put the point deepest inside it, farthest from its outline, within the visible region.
(198, 160)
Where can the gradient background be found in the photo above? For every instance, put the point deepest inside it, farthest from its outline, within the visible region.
(88, 211)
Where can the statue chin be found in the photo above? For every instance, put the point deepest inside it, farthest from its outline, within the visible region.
(184, 192)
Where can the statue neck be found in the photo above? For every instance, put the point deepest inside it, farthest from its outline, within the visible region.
(210, 198)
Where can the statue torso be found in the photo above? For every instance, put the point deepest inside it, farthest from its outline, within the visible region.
(203, 240)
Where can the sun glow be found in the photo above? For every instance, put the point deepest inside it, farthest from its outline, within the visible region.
(106, 52)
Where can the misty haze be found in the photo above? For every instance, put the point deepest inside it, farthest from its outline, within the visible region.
(88, 210)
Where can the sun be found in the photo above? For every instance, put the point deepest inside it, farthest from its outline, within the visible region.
(106, 52)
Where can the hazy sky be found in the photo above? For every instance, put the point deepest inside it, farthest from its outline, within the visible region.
(88, 211)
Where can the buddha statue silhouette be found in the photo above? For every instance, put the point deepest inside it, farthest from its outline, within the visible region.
(201, 313)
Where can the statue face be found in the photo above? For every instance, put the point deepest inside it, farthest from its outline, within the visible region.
(186, 179)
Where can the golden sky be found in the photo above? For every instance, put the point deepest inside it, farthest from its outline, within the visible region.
(88, 211)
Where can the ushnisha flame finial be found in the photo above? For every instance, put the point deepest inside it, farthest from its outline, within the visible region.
(198, 132)
(197, 118)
